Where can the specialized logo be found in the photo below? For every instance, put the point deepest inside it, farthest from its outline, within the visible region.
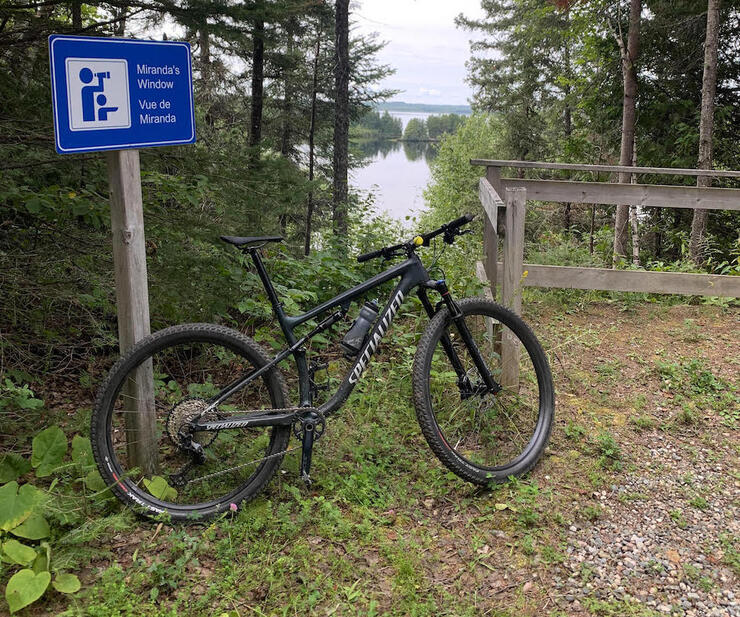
(97, 94)
(377, 336)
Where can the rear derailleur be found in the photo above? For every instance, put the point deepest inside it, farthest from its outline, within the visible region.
(309, 429)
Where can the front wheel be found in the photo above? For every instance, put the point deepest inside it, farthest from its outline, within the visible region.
(481, 436)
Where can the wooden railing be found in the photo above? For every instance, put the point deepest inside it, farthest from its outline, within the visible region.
(504, 202)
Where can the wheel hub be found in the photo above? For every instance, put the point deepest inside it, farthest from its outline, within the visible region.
(182, 414)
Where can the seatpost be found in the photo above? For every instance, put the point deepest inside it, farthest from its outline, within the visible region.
(254, 253)
(304, 381)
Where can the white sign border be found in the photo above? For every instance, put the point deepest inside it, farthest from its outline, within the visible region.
(118, 146)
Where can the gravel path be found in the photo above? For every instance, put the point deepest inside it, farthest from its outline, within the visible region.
(659, 543)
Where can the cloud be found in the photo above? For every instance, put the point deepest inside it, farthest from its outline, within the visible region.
(423, 44)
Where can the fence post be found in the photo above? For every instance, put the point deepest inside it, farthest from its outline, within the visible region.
(511, 291)
(490, 234)
(132, 298)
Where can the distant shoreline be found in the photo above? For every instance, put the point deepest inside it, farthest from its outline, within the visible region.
(463, 110)
(398, 139)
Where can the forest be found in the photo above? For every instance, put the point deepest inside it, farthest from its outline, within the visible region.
(281, 89)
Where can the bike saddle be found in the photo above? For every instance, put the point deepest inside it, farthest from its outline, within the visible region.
(246, 241)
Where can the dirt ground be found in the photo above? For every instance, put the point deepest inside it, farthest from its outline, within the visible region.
(633, 510)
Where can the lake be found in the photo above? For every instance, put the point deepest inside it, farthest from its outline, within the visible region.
(396, 173)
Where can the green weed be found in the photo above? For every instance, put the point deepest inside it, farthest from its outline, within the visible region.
(610, 454)
(678, 518)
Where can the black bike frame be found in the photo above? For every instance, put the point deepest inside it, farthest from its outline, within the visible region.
(411, 273)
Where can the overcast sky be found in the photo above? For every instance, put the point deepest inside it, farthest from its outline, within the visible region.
(424, 46)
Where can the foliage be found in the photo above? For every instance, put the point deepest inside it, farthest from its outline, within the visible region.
(443, 124)
(377, 126)
(25, 512)
(416, 130)
(58, 306)
(433, 127)
(551, 73)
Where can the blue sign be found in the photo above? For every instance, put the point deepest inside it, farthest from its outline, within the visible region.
(112, 94)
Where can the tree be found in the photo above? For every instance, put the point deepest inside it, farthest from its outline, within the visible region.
(340, 157)
(416, 130)
(311, 138)
(258, 59)
(706, 126)
(629, 54)
(516, 71)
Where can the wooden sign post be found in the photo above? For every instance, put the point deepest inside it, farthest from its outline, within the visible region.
(100, 101)
(132, 300)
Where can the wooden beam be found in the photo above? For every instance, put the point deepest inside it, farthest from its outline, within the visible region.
(132, 299)
(480, 273)
(493, 326)
(645, 195)
(511, 289)
(668, 171)
(490, 201)
(604, 279)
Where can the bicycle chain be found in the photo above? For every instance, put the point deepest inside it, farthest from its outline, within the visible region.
(257, 460)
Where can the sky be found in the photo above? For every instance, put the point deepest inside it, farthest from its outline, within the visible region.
(424, 46)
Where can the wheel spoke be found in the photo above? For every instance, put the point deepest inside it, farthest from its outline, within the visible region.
(489, 431)
(185, 374)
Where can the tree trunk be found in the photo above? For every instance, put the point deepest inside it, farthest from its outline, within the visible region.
(205, 55)
(311, 136)
(120, 28)
(567, 117)
(341, 118)
(634, 223)
(258, 82)
(591, 231)
(77, 15)
(285, 137)
(706, 127)
(629, 55)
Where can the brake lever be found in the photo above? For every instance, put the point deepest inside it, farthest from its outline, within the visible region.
(449, 236)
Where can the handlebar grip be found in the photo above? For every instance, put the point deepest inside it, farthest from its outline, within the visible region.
(459, 222)
(368, 256)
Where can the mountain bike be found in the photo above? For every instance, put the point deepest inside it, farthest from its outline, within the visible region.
(213, 411)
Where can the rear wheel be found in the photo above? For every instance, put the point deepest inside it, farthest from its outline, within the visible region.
(168, 378)
(483, 437)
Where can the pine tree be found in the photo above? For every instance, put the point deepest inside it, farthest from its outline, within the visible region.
(706, 126)
(341, 118)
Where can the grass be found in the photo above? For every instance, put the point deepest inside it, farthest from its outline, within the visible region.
(387, 530)
(691, 380)
(618, 608)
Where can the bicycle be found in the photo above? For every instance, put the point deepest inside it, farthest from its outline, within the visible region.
(214, 411)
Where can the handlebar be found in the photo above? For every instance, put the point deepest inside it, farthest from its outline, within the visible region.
(450, 230)
(372, 255)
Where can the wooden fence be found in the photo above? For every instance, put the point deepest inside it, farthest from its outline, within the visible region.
(504, 202)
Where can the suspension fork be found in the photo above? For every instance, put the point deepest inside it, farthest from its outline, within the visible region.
(459, 321)
(462, 379)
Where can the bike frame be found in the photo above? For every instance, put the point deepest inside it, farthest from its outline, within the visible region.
(411, 273)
